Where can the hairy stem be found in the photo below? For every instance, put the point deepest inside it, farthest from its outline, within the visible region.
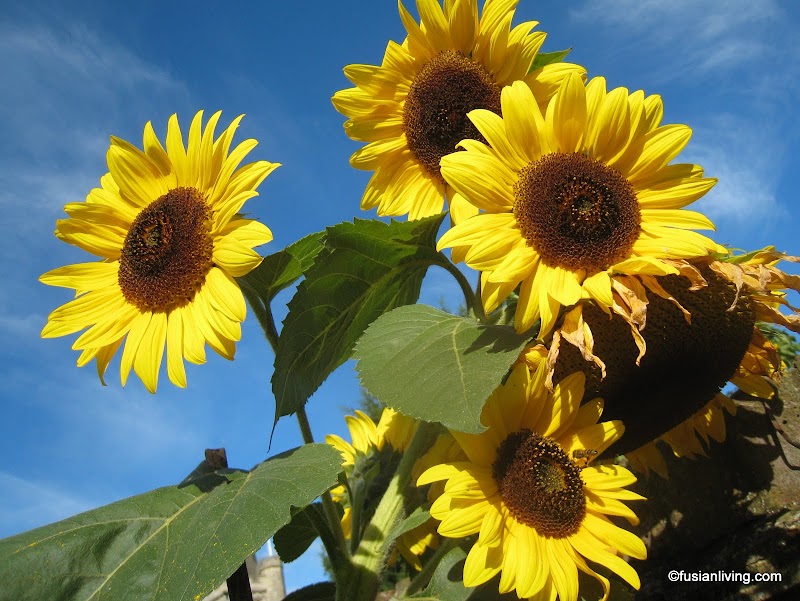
(370, 557)
(327, 501)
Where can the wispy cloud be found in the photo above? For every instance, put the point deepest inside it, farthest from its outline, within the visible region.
(65, 88)
(27, 504)
(704, 35)
(742, 155)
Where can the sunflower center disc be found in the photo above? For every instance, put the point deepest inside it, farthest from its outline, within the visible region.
(435, 114)
(576, 212)
(685, 364)
(167, 252)
(539, 484)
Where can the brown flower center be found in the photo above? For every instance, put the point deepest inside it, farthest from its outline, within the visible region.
(684, 367)
(167, 252)
(435, 113)
(576, 212)
(540, 484)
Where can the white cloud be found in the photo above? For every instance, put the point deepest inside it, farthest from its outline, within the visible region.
(27, 504)
(64, 85)
(742, 154)
(704, 35)
(64, 90)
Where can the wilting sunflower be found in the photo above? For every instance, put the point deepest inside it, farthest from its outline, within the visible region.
(528, 491)
(700, 333)
(411, 110)
(166, 224)
(572, 197)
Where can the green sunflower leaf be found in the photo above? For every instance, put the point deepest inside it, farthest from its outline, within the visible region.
(321, 591)
(435, 366)
(547, 58)
(367, 268)
(447, 581)
(171, 544)
(296, 537)
(280, 270)
(418, 517)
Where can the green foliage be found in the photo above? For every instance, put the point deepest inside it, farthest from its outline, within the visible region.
(366, 268)
(435, 366)
(369, 405)
(447, 581)
(321, 591)
(280, 270)
(296, 537)
(418, 517)
(787, 344)
(548, 58)
(174, 543)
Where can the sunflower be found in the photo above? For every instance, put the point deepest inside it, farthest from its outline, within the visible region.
(396, 429)
(573, 196)
(365, 440)
(411, 110)
(166, 224)
(363, 433)
(701, 333)
(530, 493)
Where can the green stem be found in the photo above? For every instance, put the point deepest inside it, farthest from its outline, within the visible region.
(422, 579)
(267, 321)
(370, 557)
(473, 301)
(338, 552)
(327, 501)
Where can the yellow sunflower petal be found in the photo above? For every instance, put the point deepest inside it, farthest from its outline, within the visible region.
(523, 122)
(562, 570)
(597, 437)
(225, 294)
(175, 368)
(83, 276)
(566, 398)
(622, 540)
(148, 357)
(132, 342)
(482, 564)
(566, 115)
(598, 288)
(594, 550)
(606, 477)
(484, 180)
(235, 258)
(660, 147)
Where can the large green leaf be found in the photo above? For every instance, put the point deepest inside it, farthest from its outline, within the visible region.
(174, 543)
(435, 366)
(296, 537)
(548, 58)
(367, 268)
(280, 270)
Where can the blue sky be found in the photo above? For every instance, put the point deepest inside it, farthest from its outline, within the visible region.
(72, 77)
